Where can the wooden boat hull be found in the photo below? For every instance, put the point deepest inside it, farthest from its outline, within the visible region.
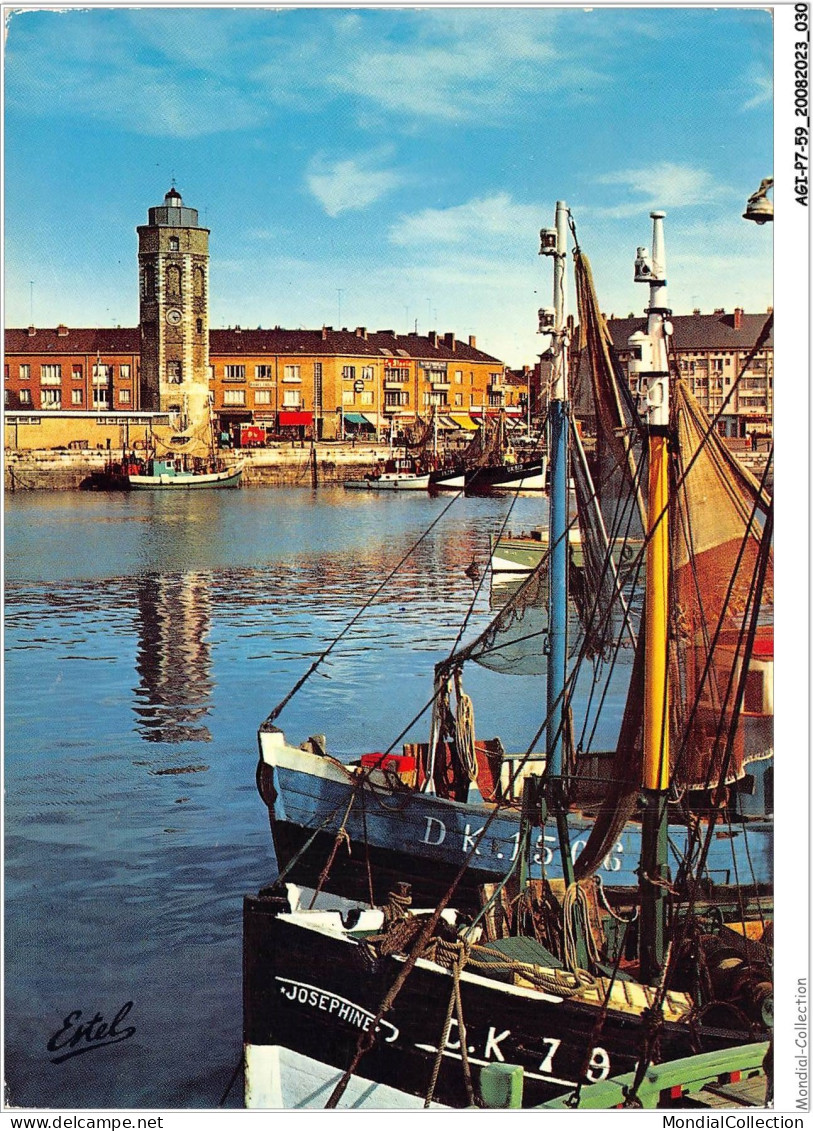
(309, 986)
(395, 833)
(277, 1078)
(186, 481)
(528, 476)
(447, 480)
(387, 482)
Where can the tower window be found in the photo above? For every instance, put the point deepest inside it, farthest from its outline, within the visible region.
(149, 281)
(173, 280)
(198, 281)
(174, 376)
(174, 245)
(199, 325)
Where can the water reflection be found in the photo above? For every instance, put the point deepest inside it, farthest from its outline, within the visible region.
(173, 658)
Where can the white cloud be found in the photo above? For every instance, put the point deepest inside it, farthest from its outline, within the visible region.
(460, 66)
(762, 86)
(484, 220)
(665, 185)
(350, 185)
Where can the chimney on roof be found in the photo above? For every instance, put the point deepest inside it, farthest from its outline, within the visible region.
(769, 310)
(32, 331)
(237, 330)
(696, 312)
(719, 310)
(62, 330)
(433, 338)
(361, 332)
(472, 342)
(448, 340)
(738, 313)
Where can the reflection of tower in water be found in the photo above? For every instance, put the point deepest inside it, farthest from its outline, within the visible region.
(172, 660)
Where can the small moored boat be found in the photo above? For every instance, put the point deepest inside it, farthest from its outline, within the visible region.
(397, 474)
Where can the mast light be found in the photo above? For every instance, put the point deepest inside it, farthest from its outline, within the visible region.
(547, 241)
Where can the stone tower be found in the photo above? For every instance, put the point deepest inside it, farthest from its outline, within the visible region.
(173, 265)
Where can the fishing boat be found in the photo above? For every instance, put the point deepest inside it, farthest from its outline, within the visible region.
(178, 474)
(522, 553)
(399, 473)
(185, 459)
(575, 976)
(490, 464)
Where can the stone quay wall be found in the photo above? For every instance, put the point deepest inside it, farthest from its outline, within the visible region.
(279, 466)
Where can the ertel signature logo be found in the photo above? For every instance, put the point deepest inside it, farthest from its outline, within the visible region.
(77, 1036)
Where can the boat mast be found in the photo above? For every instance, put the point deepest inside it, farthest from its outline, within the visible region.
(650, 361)
(558, 412)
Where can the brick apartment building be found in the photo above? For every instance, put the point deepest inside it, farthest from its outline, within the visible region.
(330, 381)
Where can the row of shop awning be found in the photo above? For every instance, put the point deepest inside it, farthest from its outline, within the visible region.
(453, 421)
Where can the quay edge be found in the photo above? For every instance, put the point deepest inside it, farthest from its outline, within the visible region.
(283, 465)
(279, 466)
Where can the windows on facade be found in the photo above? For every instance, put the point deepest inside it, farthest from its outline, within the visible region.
(367, 372)
(51, 398)
(458, 376)
(348, 372)
(264, 372)
(50, 374)
(367, 397)
(234, 372)
(101, 398)
(292, 373)
(291, 398)
(234, 397)
(101, 373)
(124, 371)
(174, 244)
(347, 396)
(174, 373)
(458, 400)
(262, 396)
(25, 396)
(78, 372)
(25, 372)
(436, 398)
(396, 373)
(396, 398)
(124, 396)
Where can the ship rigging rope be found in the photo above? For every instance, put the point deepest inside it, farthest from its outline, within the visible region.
(464, 728)
(651, 1034)
(576, 906)
(356, 616)
(455, 1005)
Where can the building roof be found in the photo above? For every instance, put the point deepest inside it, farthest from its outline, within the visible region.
(699, 331)
(62, 339)
(381, 344)
(386, 344)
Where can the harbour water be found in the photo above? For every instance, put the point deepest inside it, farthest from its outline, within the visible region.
(147, 636)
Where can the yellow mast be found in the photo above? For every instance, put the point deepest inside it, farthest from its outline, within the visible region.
(650, 362)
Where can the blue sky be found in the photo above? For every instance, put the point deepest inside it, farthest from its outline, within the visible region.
(379, 166)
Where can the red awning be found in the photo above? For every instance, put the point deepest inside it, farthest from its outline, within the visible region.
(289, 419)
